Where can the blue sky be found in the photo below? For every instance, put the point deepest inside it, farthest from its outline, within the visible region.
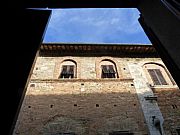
(95, 25)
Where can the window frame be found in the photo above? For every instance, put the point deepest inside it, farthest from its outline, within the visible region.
(108, 71)
(157, 77)
(67, 72)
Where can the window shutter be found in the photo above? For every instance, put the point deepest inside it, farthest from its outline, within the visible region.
(67, 71)
(71, 71)
(105, 69)
(157, 77)
(160, 76)
(154, 77)
(111, 69)
(64, 70)
(108, 71)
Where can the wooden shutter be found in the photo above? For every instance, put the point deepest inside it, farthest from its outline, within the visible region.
(154, 77)
(70, 69)
(111, 69)
(157, 77)
(160, 77)
(108, 71)
(105, 69)
(64, 70)
(67, 71)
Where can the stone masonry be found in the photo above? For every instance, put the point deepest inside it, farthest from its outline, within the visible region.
(91, 105)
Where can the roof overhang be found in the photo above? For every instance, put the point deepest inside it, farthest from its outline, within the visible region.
(87, 49)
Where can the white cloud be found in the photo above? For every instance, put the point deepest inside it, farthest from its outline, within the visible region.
(92, 24)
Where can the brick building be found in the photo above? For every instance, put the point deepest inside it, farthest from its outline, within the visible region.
(99, 89)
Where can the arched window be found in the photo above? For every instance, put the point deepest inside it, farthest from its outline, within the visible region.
(68, 69)
(157, 77)
(157, 74)
(108, 69)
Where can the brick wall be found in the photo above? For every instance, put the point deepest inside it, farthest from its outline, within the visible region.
(96, 107)
(169, 104)
(84, 105)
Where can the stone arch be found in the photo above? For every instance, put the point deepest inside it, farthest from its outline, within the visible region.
(108, 62)
(166, 76)
(69, 62)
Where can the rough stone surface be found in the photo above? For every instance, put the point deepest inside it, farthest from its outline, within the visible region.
(89, 105)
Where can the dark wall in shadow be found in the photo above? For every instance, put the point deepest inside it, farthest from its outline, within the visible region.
(169, 104)
(85, 113)
(21, 39)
